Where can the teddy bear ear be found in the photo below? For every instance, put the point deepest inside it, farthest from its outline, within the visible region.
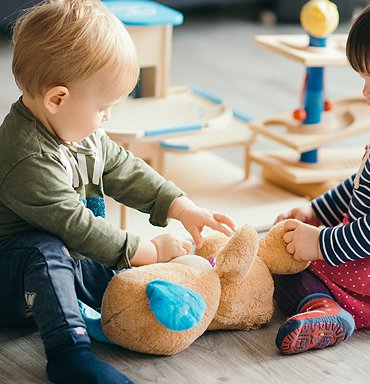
(272, 250)
(239, 253)
(174, 306)
(211, 245)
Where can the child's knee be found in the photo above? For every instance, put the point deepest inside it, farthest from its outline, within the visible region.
(50, 249)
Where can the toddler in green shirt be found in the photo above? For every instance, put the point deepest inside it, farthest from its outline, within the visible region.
(73, 60)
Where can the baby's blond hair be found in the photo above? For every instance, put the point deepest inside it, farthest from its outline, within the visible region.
(61, 42)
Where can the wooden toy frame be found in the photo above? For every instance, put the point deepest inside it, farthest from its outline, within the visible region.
(348, 117)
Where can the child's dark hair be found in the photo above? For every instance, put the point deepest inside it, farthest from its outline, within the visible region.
(358, 43)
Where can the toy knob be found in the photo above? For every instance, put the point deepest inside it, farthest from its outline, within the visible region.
(300, 114)
(328, 105)
(319, 17)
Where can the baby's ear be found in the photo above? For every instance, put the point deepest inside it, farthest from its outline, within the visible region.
(55, 97)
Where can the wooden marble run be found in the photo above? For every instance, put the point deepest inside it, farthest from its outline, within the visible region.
(185, 120)
(302, 168)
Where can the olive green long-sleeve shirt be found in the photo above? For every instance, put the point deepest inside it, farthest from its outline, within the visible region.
(47, 185)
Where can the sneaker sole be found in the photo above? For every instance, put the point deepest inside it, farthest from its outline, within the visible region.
(312, 336)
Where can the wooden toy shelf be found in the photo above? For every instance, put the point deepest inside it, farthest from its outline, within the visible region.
(235, 132)
(348, 118)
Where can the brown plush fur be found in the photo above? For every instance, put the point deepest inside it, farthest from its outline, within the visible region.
(238, 292)
(244, 265)
(128, 321)
(246, 284)
(273, 252)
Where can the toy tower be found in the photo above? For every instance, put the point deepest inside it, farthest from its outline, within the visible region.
(303, 168)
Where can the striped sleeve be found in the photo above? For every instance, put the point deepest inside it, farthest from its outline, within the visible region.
(360, 202)
(330, 206)
(346, 243)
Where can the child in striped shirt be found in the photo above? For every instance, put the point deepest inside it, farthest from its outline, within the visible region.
(331, 297)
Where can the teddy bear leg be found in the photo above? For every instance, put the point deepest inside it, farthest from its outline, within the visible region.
(92, 321)
(320, 323)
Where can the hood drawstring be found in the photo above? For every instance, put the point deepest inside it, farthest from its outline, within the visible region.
(72, 166)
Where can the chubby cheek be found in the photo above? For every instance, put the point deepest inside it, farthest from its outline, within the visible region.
(366, 95)
(90, 121)
(97, 123)
(89, 127)
(79, 129)
(366, 89)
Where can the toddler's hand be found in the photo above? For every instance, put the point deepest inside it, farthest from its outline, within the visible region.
(194, 219)
(306, 214)
(302, 241)
(169, 246)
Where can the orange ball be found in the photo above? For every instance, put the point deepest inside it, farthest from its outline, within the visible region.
(300, 114)
(328, 105)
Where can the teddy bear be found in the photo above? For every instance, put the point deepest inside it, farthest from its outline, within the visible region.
(162, 308)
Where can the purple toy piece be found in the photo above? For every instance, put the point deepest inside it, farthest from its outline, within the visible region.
(212, 261)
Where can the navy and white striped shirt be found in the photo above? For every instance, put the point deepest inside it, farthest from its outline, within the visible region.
(342, 243)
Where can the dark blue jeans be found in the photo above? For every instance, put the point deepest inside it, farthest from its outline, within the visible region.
(40, 283)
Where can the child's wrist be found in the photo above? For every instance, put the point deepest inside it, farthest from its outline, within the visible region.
(319, 254)
(157, 247)
(178, 206)
(146, 253)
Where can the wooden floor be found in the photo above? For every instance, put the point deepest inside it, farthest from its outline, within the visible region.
(216, 357)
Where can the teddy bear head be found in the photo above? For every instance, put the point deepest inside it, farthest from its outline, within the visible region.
(160, 308)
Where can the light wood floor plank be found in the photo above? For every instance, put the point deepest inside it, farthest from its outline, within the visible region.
(216, 357)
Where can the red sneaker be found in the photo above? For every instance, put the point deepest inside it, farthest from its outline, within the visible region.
(320, 323)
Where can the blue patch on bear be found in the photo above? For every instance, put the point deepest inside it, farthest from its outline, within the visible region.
(174, 306)
(96, 205)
